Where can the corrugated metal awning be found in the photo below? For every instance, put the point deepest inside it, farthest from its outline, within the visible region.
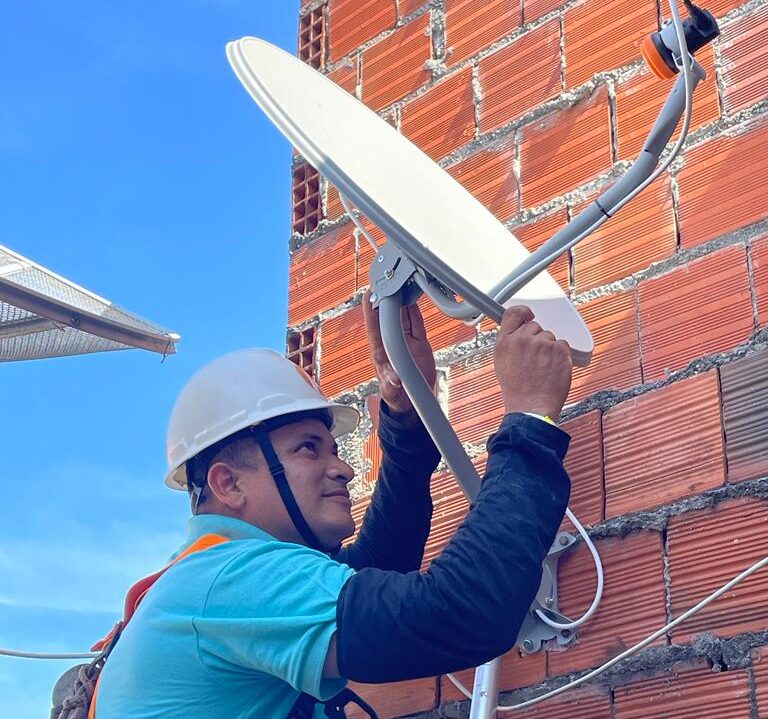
(45, 315)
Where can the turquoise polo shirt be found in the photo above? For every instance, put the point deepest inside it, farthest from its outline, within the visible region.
(237, 631)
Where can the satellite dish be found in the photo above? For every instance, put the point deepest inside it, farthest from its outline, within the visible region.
(431, 218)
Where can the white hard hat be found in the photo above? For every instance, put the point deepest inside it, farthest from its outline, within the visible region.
(236, 391)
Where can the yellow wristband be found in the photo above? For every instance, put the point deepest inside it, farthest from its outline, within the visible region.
(545, 417)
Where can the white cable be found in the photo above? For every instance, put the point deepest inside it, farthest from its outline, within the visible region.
(598, 592)
(686, 68)
(558, 625)
(653, 637)
(459, 686)
(640, 645)
(686, 63)
(42, 655)
(357, 222)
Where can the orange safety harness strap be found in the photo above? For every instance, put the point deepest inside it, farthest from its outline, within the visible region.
(132, 600)
(302, 709)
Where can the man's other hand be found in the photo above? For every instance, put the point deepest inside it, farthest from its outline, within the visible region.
(390, 386)
(533, 367)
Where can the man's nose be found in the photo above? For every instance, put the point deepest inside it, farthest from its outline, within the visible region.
(342, 471)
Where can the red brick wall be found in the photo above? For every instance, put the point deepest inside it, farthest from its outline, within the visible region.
(536, 106)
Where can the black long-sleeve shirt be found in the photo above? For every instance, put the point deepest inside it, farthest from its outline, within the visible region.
(396, 524)
(467, 608)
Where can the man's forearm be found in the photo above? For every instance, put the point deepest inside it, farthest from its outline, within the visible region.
(396, 524)
(468, 607)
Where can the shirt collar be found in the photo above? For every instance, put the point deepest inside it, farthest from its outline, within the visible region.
(229, 527)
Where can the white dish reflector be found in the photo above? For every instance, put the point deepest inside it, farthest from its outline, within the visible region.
(418, 205)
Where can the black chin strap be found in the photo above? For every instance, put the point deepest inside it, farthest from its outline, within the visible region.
(305, 705)
(278, 474)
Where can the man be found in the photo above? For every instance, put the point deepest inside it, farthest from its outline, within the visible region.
(277, 617)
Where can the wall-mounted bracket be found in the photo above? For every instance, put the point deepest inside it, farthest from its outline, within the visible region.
(535, 633)
(391, 272)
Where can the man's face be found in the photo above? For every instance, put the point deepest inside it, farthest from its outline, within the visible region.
(317, 478)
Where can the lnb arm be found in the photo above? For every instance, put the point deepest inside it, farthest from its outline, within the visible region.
(661, 50)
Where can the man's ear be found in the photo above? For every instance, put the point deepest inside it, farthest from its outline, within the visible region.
(225, 485)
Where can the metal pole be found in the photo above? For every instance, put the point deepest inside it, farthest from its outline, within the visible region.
(424, 401)
(485, 693)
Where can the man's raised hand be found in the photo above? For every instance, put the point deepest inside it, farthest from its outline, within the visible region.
(390, 386)
(533, 367)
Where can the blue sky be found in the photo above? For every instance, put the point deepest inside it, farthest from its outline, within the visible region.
(133, 163)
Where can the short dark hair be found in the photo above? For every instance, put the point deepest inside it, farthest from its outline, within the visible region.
(233, 448)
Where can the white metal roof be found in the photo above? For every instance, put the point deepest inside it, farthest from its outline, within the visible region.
(45, 315)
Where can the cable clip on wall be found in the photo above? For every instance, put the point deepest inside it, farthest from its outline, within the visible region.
(443, 243)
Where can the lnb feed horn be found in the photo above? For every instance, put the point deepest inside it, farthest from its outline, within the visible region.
(661, 49)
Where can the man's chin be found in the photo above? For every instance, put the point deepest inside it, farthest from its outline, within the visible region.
(342, 530)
